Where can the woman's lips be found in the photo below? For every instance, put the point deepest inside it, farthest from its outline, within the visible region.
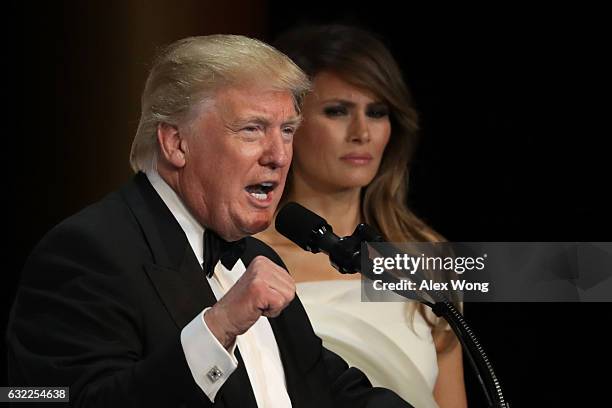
(357, 158)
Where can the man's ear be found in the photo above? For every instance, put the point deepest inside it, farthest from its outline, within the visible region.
(171, 144)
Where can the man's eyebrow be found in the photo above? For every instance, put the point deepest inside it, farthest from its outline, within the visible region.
(259, 120)
(293, 121)
(253, 119)
(263, 121)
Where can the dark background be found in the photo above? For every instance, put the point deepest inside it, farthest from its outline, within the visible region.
(513, 149)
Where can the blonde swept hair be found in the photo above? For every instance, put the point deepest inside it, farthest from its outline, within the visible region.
(189, 71)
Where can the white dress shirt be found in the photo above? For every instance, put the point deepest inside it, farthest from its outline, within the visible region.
(210, 363)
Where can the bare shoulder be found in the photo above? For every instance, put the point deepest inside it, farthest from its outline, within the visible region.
(271, 237)
(287, 250)
(444, 340)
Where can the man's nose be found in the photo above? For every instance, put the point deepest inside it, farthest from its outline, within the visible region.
(359, 131)
(277, 151)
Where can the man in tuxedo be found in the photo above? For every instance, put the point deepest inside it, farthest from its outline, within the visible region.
(126, 301)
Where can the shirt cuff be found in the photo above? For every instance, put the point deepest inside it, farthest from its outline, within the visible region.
(210, 363)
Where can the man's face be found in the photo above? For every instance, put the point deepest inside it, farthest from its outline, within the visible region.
(238, 151)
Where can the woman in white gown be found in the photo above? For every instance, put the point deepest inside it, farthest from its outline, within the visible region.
(350, 165)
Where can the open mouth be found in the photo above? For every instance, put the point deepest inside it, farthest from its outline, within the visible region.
(260, 191)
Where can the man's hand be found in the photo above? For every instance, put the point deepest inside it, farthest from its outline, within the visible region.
(264, 289)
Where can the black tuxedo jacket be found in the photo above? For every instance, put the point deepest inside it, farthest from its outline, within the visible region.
(103, 299)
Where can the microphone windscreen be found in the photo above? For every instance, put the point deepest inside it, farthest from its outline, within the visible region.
(298, 224)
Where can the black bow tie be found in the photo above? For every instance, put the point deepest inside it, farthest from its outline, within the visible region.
(217, 249)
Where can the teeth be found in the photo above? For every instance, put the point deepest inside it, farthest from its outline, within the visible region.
(260, 191)
(259, 196)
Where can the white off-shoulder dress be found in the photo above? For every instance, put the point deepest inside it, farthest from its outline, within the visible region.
(375, 337)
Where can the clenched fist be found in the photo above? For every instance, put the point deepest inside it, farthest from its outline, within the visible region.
(264, 289)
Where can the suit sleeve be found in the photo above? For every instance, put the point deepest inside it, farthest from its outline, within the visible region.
(351, 388)
(73, 324)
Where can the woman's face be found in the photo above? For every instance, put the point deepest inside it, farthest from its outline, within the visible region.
(342, 138)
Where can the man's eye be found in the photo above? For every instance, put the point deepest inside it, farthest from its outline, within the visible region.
(333, 111)
(289, 131)
(252, 129)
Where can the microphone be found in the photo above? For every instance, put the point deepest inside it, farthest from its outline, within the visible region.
(312, 233)
(305, 228)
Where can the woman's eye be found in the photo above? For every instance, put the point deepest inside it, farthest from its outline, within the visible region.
(378, 113)
(332, 111)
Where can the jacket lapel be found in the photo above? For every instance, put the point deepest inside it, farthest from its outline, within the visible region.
(177, 276)
(175, 273)
(184, 291)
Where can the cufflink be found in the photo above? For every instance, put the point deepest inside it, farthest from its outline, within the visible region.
(214, 374)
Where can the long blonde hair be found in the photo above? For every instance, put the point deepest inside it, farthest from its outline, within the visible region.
(362, 60)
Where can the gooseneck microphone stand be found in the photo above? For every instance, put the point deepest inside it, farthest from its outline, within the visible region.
(313, 234)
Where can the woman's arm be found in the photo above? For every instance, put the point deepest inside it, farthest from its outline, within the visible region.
(449, 391)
